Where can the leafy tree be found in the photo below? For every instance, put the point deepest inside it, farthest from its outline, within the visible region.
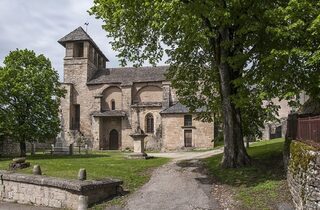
(29, 98)
(227, 55)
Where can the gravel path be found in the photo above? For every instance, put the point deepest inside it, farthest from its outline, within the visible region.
(176, 185)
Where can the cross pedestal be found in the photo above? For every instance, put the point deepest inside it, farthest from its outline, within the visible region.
(138, 144)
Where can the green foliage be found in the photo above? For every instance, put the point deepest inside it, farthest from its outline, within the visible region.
(29, 97)
(295, 31)
(270, 47)
(261, 185)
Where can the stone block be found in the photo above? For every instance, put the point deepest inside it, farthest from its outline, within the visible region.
(14, 166)
(82, 175)
(19, 160)
(304, 183)
(55, 203)
(54, 192)
(83, 202)
(36, 170)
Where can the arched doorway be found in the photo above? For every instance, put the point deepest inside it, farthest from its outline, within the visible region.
(114, 140)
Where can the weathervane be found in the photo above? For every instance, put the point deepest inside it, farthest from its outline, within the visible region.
(86, 24)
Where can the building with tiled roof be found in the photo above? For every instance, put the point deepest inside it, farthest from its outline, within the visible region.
(107, 104)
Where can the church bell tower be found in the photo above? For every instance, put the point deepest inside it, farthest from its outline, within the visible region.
(82, 58)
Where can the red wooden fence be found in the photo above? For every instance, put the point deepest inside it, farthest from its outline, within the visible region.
(304, 128)
(309, 129)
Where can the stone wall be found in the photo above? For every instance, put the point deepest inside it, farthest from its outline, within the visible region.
(173, 132)
(304, 175)
(11, 148)
(148, 94)
(112, 93)
(54, 192)
(153, 140)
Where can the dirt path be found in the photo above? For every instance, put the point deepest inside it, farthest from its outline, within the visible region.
(174, 187)
(177, 185)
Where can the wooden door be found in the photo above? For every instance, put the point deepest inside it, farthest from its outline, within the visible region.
(188, 138)
(114, 140)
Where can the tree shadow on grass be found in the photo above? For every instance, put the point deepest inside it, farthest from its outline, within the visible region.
(261, 185)
(266, 165)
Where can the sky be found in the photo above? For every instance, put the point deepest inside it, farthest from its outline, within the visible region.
(38, 25)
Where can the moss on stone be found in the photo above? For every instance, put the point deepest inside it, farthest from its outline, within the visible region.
(300, 157)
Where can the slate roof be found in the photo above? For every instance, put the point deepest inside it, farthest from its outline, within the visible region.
(179, 108)
(146, 104)
(129, 75)
(79, 35)
(111, 113)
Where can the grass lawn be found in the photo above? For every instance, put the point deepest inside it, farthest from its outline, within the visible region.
(134, 173)
(263, 184)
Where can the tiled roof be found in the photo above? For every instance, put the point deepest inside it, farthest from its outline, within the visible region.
(129, 75)
(79, 35)
(179, 108)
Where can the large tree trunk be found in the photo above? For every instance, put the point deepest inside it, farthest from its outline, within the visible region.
(23, 149)
(235, 154)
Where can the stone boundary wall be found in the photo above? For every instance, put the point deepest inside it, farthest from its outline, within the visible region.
(304, 175)
(11, 148)
(55, 192)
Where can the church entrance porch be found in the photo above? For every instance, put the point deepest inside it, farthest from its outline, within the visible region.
(108, 129)
(110, 133)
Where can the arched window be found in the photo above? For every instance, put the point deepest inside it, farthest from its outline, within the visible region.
(149, 123)
(113, 105)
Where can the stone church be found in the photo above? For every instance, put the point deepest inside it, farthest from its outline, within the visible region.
(107, 104)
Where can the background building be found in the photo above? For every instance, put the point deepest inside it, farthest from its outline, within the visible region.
(107, 104)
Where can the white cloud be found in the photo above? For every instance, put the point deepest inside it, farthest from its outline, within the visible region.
(38, 24)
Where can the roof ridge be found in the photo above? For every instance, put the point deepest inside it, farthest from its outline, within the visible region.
(140, 67)
(128, 75)
(65, 38)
